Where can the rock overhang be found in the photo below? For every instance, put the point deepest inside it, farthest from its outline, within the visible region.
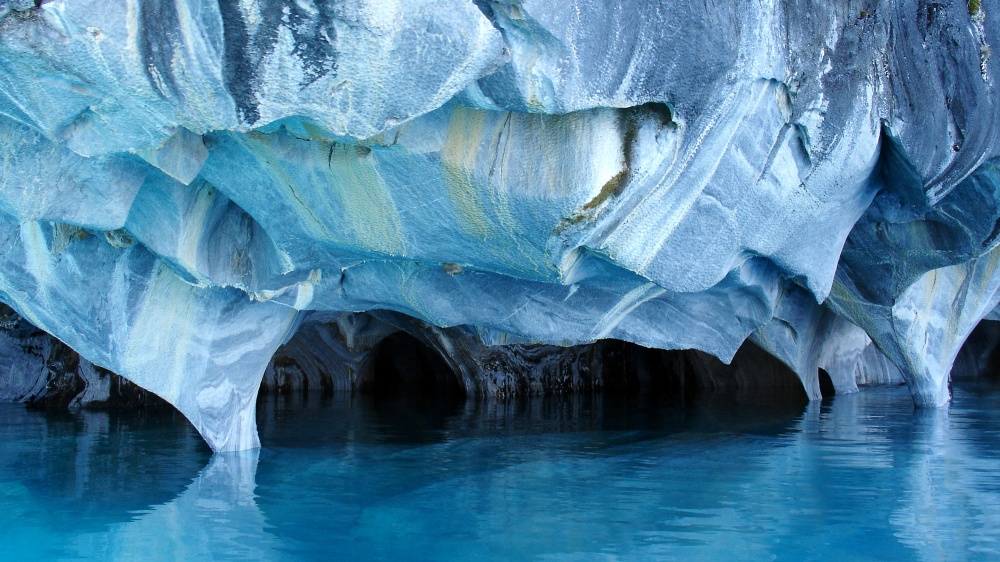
(185, 182)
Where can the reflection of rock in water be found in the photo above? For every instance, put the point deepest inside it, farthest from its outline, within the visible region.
(127, 484)
(107, 465)
(951, 480)
(862, 475)
(216, 515)
(301, 421)
(833, 479)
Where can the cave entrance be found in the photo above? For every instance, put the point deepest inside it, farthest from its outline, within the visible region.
(979, 356)
(409, 391)
(826, 388)
(404, 367)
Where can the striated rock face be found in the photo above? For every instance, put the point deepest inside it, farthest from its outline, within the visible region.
(187, 184)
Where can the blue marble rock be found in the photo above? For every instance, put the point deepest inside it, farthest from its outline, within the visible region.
(186, 185)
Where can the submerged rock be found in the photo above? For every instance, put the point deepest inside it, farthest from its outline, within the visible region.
(186, 185)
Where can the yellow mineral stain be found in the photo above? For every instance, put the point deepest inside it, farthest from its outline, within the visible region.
(352, 192)
(369, 208)
(459, 158)
(315, 132)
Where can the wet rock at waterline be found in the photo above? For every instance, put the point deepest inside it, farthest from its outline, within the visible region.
(186, 187)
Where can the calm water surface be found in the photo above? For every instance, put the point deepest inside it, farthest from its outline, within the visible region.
(863, 476)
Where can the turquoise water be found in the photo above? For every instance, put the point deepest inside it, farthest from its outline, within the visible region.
(863, 476)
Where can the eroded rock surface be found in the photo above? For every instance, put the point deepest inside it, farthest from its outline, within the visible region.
(186, 184)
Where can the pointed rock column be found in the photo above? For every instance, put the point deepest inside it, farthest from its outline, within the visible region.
(923, 331)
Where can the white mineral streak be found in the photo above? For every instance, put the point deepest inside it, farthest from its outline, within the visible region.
(182, 182)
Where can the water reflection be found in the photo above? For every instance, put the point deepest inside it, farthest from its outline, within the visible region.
(293, 422)
(215, 517)
(953, 476)
(68, 474)
(587, 477)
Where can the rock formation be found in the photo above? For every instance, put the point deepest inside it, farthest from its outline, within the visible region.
(185, 184)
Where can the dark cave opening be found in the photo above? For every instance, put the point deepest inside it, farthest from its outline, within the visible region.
(408, 392)
(404, 367)
(687, 376)
(826, 387)
(418, 365)
(979, 356)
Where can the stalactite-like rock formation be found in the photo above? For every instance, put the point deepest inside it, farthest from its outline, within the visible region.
(185, 185)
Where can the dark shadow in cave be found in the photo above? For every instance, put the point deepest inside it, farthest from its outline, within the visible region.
(410, 392)
(979, 357)
(753, 373)
(666, 390)
(977, 365)
(826, 387)
(403, 366)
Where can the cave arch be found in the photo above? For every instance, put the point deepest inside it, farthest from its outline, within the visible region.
(402, 366)
(826, 387)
